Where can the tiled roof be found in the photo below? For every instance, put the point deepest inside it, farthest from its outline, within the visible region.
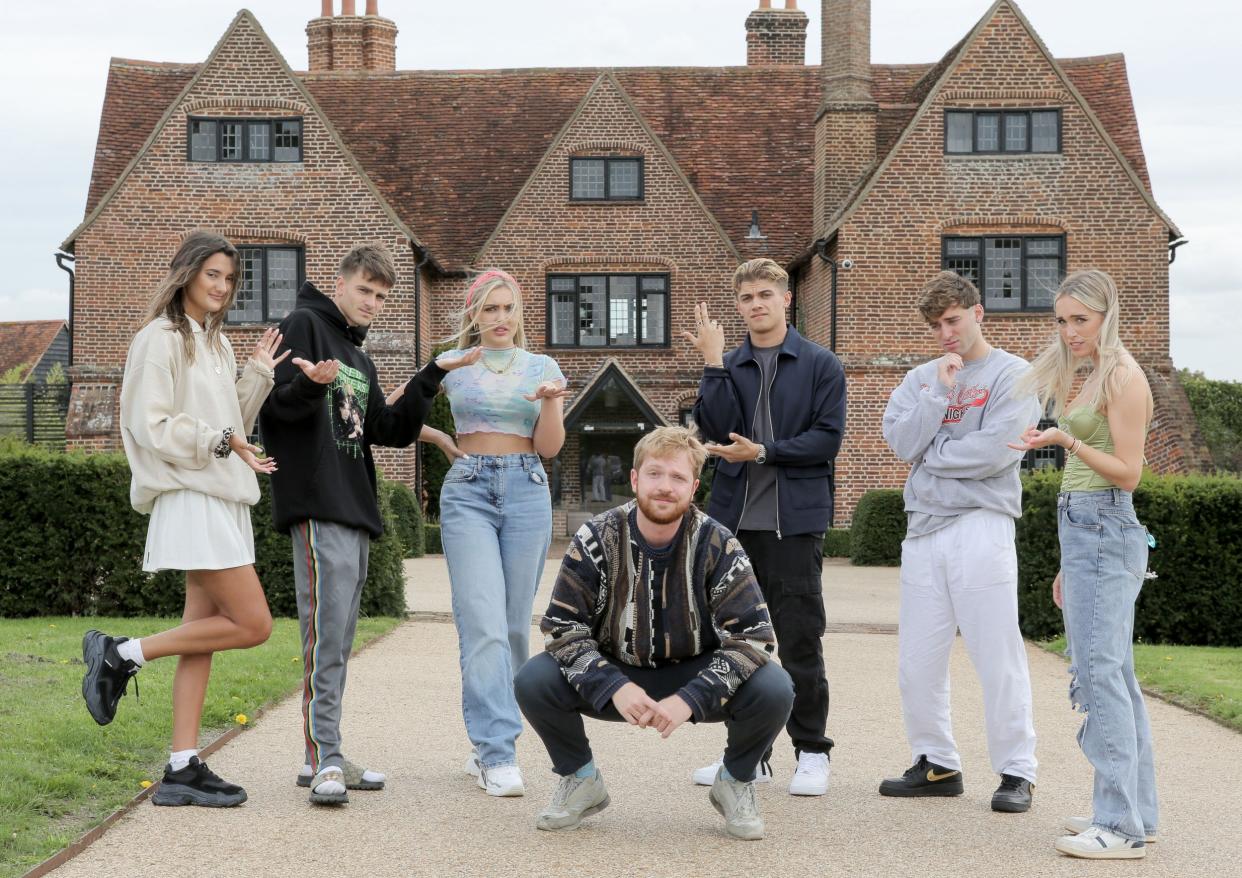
(25, 342)
(450, 150)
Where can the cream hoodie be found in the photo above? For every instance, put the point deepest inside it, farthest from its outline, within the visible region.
(173, 415)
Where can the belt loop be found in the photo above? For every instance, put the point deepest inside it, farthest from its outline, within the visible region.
(1116, 496)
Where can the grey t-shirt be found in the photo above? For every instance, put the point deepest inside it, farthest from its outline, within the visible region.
(760, 511)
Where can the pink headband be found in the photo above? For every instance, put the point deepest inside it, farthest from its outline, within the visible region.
(490, 275)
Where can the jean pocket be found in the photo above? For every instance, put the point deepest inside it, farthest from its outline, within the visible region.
(460, 471)
(1134, 541)
(1084, 517)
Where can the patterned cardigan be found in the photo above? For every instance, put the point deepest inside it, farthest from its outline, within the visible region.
(601, 606)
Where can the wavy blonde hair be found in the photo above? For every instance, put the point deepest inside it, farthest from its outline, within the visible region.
(480, 290)
(168, 300)
(1052, 373)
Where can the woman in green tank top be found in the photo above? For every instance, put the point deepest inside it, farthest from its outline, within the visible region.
(1103, 556)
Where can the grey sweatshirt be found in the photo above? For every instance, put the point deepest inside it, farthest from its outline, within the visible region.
(956, 439)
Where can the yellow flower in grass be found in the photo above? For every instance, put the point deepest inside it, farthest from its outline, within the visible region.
(145, 784)
(242, 719)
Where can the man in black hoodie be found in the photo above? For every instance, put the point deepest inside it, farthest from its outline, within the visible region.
(322, 417)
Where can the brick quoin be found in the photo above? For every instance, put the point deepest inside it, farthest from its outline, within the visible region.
(843, 155)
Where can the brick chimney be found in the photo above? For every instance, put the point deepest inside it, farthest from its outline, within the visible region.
(776, 37)
(845, 124)
(350, 41)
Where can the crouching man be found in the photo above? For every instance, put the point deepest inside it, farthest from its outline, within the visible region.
(655, 619)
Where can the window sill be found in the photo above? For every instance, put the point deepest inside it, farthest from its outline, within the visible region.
(1029, 312)
(653, 346)
(605, 202)
(1005, 156)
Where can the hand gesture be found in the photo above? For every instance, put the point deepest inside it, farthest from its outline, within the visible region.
(1056, 591)
(265, 348)
(1035, 438)
(710, 340)
(548, 390)
(675, 711)
(250, 455)
(947, 368)
(742, 449)
(469, 358)
(323, 372)
(443, 441)
(636, 706)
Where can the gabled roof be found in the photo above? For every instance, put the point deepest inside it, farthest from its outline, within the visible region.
(24, 342)
(1098, 83)
(611, 371)
(450, 150)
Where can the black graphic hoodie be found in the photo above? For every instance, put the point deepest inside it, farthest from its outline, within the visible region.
(321, 434)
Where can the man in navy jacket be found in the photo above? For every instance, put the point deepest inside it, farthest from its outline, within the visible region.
(773, 410)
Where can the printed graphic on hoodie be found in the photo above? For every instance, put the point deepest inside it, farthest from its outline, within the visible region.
(963, 398)
(347, 402)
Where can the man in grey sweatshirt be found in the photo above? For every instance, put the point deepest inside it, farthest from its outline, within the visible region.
(959, 568)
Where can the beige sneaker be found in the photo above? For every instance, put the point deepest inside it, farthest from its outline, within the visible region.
(574, 798)
(735, 800)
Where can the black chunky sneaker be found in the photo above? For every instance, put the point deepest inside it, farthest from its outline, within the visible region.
(1013, 795)
(107, 675)
(924, 778)
(196, 784)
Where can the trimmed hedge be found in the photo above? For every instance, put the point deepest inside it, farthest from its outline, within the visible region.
(1218, 409)
(431, 531)
(1196, 597)
(837, 543)
(878, 527)
(407, 518)
(73, 544)
(435, 464)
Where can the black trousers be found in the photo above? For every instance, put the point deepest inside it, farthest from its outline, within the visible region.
(554, 709)
(790, 574)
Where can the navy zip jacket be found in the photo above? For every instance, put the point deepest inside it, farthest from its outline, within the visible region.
(808, 420)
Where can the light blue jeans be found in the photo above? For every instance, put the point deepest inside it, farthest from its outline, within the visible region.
(1103, 562)
(496, 525)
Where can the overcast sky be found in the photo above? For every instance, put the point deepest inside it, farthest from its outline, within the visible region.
(1182, 60)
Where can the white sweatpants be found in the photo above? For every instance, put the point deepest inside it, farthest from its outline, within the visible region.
(965, 576)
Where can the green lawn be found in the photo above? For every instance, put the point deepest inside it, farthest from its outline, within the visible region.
(1207, 679)
(60, 773)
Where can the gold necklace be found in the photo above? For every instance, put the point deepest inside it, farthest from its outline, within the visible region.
(488, 367)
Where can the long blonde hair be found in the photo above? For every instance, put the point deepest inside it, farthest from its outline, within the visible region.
(481, 289)
(168, 300)
(1051, 376)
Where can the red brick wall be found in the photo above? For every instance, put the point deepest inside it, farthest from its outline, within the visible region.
(894, 238)
(776, 38)
(321, 204)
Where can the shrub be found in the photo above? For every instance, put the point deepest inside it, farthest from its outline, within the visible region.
(1196, 597)
(878, 527)
(837, 543)
(407, 518)
(432, 531)
(73, 544)
(435, 464)
(1218, 409)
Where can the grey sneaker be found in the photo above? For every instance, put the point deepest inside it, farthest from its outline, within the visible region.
(735, 800)
(356, 777)
(574, 798)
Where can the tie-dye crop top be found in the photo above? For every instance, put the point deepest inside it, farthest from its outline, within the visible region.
(486, 402)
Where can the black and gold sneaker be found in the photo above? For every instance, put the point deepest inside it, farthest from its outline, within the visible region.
(924, 778)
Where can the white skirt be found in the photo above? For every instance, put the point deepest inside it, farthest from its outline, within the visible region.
(193, 531)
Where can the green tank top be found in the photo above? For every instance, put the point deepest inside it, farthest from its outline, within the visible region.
(1092, 428)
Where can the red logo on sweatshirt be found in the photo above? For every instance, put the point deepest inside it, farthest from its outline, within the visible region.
(963, 398)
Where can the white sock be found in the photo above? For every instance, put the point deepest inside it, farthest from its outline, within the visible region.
(180, 759)
(132, 650)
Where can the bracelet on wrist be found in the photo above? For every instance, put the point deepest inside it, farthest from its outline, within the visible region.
(223, 449)
(1074, 448)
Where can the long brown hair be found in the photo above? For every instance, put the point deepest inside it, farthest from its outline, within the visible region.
(168, 300)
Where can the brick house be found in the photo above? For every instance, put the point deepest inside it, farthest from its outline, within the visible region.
(622, 197)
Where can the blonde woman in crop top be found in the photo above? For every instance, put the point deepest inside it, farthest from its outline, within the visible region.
(1103, 557)
(496, 514)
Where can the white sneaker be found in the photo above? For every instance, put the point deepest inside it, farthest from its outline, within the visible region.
(472, 766)
(502, 780)
(1095, 843)
(1078, 825)
(706, 776)
(811, 777)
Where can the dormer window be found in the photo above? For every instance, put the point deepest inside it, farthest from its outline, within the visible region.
(244, 140)
(997, 132)
(606, 178)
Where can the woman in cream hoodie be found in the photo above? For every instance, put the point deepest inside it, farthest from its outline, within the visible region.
(184, 420)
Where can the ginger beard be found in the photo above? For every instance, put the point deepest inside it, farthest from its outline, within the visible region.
(664, 488)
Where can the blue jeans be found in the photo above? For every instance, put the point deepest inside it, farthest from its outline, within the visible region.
(1103, 562)
(496, 525)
